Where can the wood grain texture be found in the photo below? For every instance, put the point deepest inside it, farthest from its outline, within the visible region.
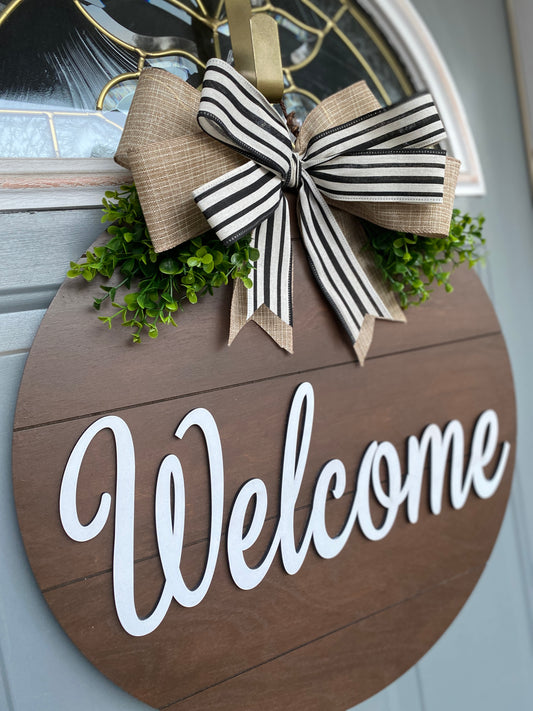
(344, 425)
(314, 677)
(207, 330)
(233, 630)
(338, 630)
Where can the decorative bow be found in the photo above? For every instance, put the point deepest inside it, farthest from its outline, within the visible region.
(374, 161)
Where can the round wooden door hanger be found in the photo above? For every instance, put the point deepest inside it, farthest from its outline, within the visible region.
(237, 528)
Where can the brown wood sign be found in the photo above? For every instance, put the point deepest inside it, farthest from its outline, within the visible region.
(237, 528)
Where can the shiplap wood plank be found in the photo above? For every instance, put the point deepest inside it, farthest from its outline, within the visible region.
(330, 657)
(475, 363)
(445, 320)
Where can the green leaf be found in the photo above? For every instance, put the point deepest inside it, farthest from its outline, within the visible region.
(410, 271)
(105, 319)
(151, 287)
(142, 300)
(131, 301)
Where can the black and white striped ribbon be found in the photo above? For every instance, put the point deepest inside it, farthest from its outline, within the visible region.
(379, 157)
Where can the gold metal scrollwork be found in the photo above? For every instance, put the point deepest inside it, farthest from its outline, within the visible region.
(217, 24)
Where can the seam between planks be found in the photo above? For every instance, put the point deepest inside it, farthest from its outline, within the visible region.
(122, 408)
(328, 634)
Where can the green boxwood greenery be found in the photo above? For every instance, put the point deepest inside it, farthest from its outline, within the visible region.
(411, 264)
(153, 287)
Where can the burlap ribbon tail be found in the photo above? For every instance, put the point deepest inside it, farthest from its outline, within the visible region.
(376, 166)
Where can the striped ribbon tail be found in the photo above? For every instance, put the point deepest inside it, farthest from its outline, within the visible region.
(336, 269)
(273, 270)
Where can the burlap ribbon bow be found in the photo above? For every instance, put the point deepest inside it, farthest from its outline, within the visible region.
(375, 165)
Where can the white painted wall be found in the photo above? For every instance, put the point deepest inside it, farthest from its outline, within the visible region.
(485, 660)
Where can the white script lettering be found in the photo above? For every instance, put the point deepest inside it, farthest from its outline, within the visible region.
(438, 450)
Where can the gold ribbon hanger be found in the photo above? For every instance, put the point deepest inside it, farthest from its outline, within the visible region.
(256, 50)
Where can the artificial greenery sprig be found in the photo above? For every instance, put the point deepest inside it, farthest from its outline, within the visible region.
(161, 283)
(410, 264)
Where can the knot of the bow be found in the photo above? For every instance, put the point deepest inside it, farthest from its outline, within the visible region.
(293, 181)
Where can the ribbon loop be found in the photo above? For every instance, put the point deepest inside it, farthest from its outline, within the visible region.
(381, 176)
(377, 165)
(382, 156)
(367, 159)
(238, 201)
(236, 113)
(412, 123)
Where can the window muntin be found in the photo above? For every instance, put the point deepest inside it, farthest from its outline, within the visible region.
(69, 67)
